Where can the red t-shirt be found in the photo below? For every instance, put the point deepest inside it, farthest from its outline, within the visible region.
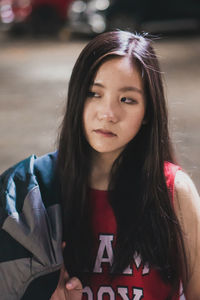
(137, 281)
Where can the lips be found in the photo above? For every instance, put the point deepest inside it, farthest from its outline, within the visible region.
(105, 132)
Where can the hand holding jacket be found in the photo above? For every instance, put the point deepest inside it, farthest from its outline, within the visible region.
(68, 288)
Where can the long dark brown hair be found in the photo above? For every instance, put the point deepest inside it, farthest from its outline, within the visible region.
(146, 222)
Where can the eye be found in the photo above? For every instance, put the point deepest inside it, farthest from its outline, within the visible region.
(93, 95)
(128, 100)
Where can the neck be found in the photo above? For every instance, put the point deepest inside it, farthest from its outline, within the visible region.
(100, 172)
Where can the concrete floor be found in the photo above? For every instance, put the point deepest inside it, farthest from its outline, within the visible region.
(33, 84)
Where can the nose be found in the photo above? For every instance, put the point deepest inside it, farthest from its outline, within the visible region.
(108, 112)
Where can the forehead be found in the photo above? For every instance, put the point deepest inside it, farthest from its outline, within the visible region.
(118, 70)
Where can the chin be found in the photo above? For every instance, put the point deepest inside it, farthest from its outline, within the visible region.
(108, 150)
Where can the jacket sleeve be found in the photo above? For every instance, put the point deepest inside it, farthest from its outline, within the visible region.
(30, 233)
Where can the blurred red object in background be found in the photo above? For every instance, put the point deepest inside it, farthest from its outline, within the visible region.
(34, 16)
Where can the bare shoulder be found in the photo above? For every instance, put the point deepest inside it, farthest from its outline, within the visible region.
(185, 192)
(186, 202)
(187, 205)
(187, 209)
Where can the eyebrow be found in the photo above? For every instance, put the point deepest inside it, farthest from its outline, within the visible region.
(123, 89)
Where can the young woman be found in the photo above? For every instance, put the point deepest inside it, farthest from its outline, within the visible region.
(130, 215)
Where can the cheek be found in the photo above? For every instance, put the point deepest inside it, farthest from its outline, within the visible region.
(136, 117)
(133, 124)
(89, 112)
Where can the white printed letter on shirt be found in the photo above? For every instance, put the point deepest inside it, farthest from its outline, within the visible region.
(105, 247)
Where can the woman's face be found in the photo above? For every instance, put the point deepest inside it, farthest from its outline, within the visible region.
(115, 106)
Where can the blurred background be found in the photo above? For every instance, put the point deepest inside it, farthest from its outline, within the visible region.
(40, 41)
